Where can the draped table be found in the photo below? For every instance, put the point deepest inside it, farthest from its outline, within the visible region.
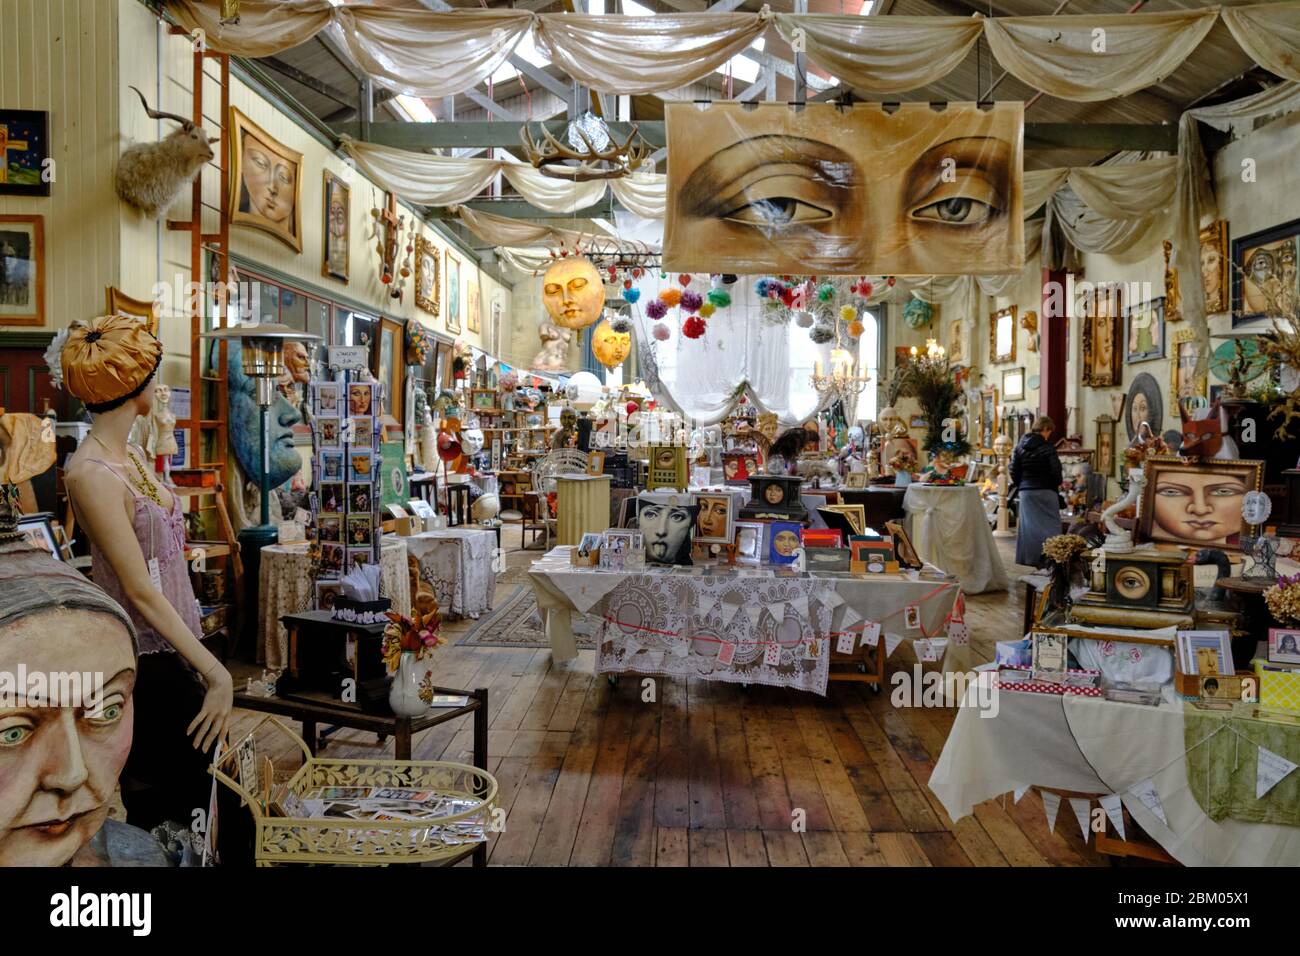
(457, 562)
(949, 530)
(285, 586)
(1092, 745)
(677, 622)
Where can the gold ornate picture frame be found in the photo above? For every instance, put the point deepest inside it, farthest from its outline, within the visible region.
(427, 269)
(265, 182)
(1183, 380)
(1216, 267)
(1196, 504)
(1102, 336)
(1002, 336)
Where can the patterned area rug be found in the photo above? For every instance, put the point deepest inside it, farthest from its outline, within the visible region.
(516, 622)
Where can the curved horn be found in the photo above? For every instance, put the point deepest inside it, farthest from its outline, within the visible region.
(159, 114)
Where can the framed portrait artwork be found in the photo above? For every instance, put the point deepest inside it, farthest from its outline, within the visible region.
(266, 182)
(1101, 335)
(388, 366)
(1183, 380)
(338, 219)
(473, 320)
(1214, 267)
(1264, 273)
(1144, 331)
(37, 529)
(453, 294)
(1105, 444)
(1197, 504)
(715, 522)
(22, 280)
(1145, 403)
(988, 417)
(1013, 385)
(24, 150)
(426, 275)
(1002, 336)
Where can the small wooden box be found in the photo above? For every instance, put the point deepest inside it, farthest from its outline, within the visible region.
(589, 560)
(1231, 687)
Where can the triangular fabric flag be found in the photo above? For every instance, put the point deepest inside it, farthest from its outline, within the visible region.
(753, 613)
(1081, 807)
(731, 603)
(778, 611)
(800, 606)
(1114, 808)
(1145, 791)
(1270, 769)
(704, 602)
(1051, 804)
(851, 617)
(891, 643)
(830, 597)
(1021, 791)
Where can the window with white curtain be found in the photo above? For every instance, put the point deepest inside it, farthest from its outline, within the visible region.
(869, 363)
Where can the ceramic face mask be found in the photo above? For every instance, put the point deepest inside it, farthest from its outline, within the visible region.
(471, 441)
(573, 293)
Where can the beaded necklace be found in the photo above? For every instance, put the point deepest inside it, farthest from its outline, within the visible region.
(142, 482)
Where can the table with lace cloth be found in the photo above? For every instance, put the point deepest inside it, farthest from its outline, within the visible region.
(676, 622)
(457, 562)
(949, 529)
(285, 586)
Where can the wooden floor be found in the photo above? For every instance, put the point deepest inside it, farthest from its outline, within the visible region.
(712, 774)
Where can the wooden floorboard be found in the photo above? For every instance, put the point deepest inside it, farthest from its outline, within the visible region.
(713, 774)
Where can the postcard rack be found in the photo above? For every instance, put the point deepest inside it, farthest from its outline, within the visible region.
(335, 840)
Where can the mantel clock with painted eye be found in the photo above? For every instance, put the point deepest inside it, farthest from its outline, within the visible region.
(1144, 589)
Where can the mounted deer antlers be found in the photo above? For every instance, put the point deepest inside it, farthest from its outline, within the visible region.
(616, 161)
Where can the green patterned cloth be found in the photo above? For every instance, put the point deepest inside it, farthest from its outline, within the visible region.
(1221, 770)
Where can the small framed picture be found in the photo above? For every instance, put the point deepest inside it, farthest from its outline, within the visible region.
(783, 541)
(361, 465)
(331, 558)
(596, 463)
(1284, 645)
(361, 398)
(329, 528)
(360, 430)
(1013, 384)
(331, 497)
(327, 398)
(715, 522)
(1048, 658)
(590, 543)
(331, 465)
(359, 530)
(329, 432)
(37, 529)
(326, 592)
(420, 508)
(360, 498)
(749, 542)
(359, 557)
(856, 479)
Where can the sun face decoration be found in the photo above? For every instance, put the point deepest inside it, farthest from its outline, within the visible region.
(573, 292)
(610, 347)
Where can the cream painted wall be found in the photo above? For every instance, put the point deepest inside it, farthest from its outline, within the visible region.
(153, 60)
(60, 56)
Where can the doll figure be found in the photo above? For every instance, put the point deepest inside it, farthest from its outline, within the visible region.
(162, 432)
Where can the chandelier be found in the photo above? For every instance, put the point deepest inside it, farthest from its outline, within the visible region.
(839, 380)
(934, 352)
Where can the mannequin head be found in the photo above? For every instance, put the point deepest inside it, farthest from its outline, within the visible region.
(245, 425)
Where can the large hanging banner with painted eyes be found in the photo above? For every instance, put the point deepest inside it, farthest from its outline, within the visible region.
(828, 190)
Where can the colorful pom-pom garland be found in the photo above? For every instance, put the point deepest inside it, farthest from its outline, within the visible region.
(691, 301)
(670, 297)
(656, 309)
(693, 327)
(661, 332)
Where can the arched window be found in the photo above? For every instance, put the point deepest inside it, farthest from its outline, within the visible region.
(869, 363)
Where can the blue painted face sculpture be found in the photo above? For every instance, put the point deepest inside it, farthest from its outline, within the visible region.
(245, 425)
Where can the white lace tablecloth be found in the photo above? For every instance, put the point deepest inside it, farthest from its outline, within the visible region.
(457, 562)
(285, 587)
(949, 530)
(1096, 746)
(668, 622)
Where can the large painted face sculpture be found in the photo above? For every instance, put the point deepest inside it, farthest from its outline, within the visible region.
(471, 441)
(573, 293)
(610, 347)
(59, 765)
(245, 425)
(667, 530)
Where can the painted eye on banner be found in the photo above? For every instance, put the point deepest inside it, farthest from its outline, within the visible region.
(777, 211)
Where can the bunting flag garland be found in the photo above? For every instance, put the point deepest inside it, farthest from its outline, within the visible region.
(1114, 808)
(1270, 770)
(1051, 804)
(1145, 791)
(1020, 792)
(1081, 808)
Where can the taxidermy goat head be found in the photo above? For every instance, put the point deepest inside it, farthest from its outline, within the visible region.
(150, 176)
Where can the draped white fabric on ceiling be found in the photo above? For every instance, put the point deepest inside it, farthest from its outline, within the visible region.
(1075, 57)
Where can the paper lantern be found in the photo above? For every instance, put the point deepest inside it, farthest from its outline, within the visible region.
(573, 293)
(583, 390)
(803, 319)
(610, 347)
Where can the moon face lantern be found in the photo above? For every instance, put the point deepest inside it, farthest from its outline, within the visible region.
(610, 347)
(573, 292)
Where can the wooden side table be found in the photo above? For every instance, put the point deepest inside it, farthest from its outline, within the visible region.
(582, 506)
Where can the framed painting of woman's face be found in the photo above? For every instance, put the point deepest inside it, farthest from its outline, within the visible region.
(266, 182)
(1197, 504)
(338, 212)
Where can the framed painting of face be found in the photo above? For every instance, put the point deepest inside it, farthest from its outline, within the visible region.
(1264, 274)
(716, 521)
(988, 417)
(1002, 336)
(1197, 504)
(453, 294)
(667, 529)
(1145, 403)
(774, 190)
(1214, 266)
(267, 182)
(473, 321)
(1101, 335)
(957, 343)
(426, 275)
(388, 366)
(1144, 331)
(338, 213)
(1183, 380)
(1105, 444)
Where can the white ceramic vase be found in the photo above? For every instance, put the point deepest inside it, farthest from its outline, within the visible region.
(404, 694)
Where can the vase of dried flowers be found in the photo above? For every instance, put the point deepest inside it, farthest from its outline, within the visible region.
(1063, 551)
(1283, 600)
(408, 646)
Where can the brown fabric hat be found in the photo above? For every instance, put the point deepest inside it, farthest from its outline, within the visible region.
(109, 357)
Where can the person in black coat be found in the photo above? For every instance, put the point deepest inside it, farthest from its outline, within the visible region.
(1036, 476)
